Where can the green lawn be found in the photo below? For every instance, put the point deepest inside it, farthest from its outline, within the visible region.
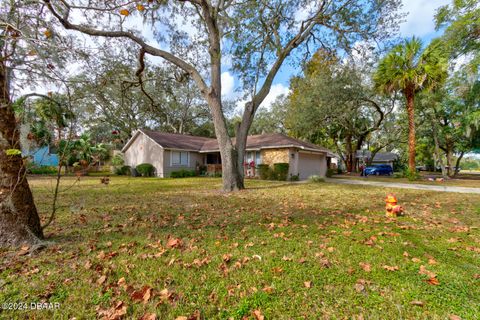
(286, 251)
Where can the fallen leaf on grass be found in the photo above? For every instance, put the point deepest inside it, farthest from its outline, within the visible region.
(390, 268)
(115, 313)
(417, 303)
(325, 263)
(227, 257)
(268, 289)
(101, 280)
(174, 243)
(454, 317)
(359, 287)
(426, 272)
(23, 251)
(143, 294)
(149, 316)
(433, 281)
(307, 284)
(365, 266)
(258, 315)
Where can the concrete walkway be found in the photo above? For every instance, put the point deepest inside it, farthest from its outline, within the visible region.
(406, 185)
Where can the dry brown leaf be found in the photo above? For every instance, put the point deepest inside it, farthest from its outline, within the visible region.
(227, 257)
(149, 316)
(101, 280)
(174, 243)
(433, 281)
(359, 287)
(325, 263)
(454, 317)
(365, 266)
(267, 289)
(258, 315)
(143, 294)
(390, 268)
(417, 303)
(423, 270)
(307, 284)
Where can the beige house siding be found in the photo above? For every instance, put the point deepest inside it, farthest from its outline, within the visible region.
(145, 150)
(194, 159)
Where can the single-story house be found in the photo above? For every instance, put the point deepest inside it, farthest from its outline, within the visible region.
(389, 158)
(169, 152)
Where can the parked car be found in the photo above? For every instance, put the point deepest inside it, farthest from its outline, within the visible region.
(379, 169)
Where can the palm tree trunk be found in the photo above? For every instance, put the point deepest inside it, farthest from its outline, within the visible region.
(410, 96)
(19, 220)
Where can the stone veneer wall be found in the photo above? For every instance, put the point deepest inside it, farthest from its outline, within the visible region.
(271, 156)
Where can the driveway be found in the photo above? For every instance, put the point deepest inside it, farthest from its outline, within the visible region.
(406, 186)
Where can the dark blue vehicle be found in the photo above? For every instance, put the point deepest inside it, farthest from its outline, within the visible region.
(378, 169)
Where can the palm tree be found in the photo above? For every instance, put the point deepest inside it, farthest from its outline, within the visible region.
(408, 69)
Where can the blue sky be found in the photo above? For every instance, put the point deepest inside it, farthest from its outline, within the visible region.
(419, 22)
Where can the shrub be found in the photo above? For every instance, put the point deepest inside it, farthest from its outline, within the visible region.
(117, 161)
(398, 175)
(339, 170)
(264, 171)
(330, 173)
(122, 171)
(146, 169)
(182, 173)
(316, 179)
(294, 177)
(280, 171)
(42, 170)
(411, 175)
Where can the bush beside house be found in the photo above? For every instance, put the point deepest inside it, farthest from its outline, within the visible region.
(145, 170)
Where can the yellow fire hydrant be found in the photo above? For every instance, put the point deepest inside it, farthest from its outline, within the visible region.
(392, 209)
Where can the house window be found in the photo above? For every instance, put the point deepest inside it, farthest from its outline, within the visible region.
(258, 158)
(179, 158)
(253, 156)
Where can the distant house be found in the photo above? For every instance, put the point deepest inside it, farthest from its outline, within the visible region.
(364, 156)
(42, 156)
(169, 152)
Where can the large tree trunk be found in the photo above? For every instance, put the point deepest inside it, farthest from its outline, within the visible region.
(437, 153)
(457, 165)
(19, 221)
(410, 96)
(449, 153)
(232, 170)
(350, 153)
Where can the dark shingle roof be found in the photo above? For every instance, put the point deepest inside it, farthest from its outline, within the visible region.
(202, 144)
(385, 156)
(272, 140)
(177, 141)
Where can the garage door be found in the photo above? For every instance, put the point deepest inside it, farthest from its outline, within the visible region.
(310, 164)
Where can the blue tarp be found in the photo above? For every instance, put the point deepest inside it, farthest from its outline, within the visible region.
(43, 157)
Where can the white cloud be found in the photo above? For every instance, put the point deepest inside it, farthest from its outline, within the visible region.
(228, 83)
(275, 91)
(420, 19)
